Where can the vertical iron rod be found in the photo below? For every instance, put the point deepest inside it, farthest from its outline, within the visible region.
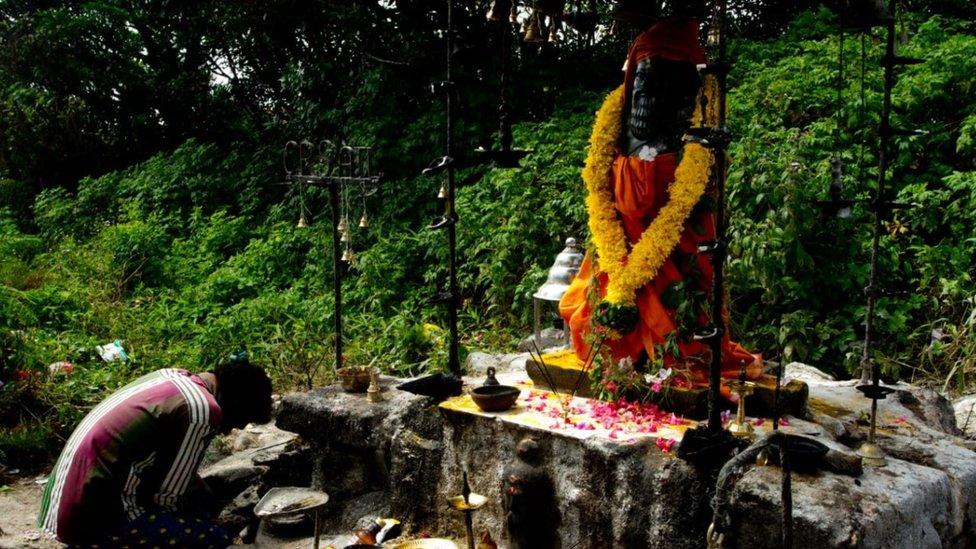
(786, 491)
(718, 259)
(869, 370)
(336, 272)
(453, 360)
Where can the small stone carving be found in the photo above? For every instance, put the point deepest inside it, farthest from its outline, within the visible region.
(532, 516)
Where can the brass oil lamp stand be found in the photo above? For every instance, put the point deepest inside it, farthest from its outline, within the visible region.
(740, 426)
(882, 207)
(871, 454)
(467, 503)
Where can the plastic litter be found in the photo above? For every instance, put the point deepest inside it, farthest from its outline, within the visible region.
(112, 352)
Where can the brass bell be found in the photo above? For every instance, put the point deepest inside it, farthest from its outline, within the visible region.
(533, 34)
(714, 34)
(343, 226)
(499, 10)
(344, 236)
(348, 256)
(302, 222)
(553, 35)
(364, 222)
(443, 192)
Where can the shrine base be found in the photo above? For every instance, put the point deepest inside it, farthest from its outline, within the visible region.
(408, 455)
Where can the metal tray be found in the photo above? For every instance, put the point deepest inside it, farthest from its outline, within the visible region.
(290, 500)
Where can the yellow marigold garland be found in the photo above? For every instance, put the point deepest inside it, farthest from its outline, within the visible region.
(627, 272)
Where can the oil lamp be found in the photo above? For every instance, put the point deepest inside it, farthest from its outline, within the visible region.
(467, 503)
(740, 427)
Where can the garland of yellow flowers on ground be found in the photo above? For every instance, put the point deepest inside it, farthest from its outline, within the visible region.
(628, 272)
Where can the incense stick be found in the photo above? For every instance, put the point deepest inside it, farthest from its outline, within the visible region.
(543, 367)
(591, 357)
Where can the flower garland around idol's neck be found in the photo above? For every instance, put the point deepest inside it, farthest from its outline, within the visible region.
(629, 270)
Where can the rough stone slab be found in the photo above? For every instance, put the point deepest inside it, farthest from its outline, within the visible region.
(361, 447)
(266, 456)
(477, 363)
(925, 497)
(331, 416)
(965, 411)
(609, 494)
(549, 338)
(901, 505)
(633, 495)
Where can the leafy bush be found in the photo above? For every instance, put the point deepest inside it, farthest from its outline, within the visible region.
(193, 253)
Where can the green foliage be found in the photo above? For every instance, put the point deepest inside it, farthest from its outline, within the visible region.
(796, 274)
(191, 253)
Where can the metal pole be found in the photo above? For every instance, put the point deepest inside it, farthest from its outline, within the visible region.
(718, 258)
(453, 360)
(318, 528)
(336, 271)
(869, 373)
(786, 492)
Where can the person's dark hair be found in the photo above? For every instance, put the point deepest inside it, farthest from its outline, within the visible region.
(243, 393)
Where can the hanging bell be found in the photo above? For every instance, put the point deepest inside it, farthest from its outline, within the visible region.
(302, 222)
(348, 256)
(533, 34)
(443, 192)
(714, 33)
(499, 10)
(553, 35)
(344, 236)
(513, 14)
(364, 221)
(343, 226)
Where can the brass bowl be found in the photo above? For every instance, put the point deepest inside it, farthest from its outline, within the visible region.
(354, 379)
(495, 398)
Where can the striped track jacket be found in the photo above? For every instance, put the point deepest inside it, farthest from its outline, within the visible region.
(138, 449)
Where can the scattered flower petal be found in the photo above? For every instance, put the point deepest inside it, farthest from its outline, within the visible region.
(665, 444)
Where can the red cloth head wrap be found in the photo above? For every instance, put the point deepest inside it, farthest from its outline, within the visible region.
(674, 40)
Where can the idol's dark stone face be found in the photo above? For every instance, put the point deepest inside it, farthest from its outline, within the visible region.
(663, 98)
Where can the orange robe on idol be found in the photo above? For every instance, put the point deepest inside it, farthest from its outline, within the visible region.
(640, 191)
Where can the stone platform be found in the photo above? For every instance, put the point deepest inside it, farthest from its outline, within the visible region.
(406, 455)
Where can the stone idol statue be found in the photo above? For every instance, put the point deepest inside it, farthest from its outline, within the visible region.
(532, 517)
(644, 288)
